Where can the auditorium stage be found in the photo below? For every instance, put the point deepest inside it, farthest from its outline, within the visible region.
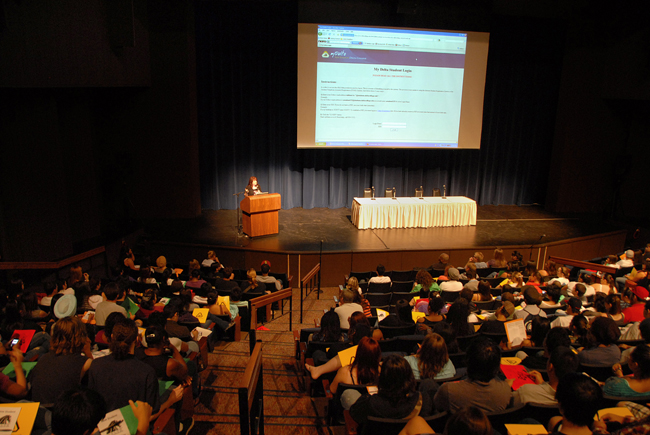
(301, 231)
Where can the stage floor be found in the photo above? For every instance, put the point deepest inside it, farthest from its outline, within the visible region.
(301, 231)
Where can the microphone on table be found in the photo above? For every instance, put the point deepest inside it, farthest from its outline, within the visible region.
(373, 192)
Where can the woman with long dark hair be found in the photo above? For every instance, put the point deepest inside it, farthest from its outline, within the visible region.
(330, 328)
(397, 396)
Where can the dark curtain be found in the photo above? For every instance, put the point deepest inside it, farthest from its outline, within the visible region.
(246, 71)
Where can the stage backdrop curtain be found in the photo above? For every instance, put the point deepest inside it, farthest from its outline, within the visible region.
(246, 79)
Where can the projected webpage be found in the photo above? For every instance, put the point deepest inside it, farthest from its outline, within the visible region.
(388, 87)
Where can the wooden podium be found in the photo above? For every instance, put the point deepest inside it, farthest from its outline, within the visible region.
(260, 214)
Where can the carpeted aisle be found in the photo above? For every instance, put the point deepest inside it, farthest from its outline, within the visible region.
(287, 409)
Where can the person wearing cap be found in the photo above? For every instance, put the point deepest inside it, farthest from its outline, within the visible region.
(452, 284)
(532, 299)
(573, 308)
(266, 279)
(628, 261)
(157, 342)
(638, 296)
(497, 324)
(66, 306)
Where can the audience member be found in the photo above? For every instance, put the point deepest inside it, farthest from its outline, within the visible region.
(638, 296)
(468, 421)
(579, 397)
(111, 294)
(496, 325)
(397, 396)
(477, 259)
(17, 389)
(432, 360)
(347, 307)
(270, 280)
(635, 385)
(434, 316)
(601, 343)
(364, 369)
(330, 328)
(499, 259)
(443, 260)
(212, 258)
(380, 278)
(253, 285)
(228, 282)
(573, 308)
(452, 284)
(402, 316)
(562, 361)
(483, 388)
(65, 365)
(78, 410)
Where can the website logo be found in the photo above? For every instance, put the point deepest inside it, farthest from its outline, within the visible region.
(325, 55)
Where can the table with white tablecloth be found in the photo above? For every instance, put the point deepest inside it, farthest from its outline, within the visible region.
(429, 211)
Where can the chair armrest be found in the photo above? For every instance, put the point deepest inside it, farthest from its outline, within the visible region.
(350, 424)
(165, 423)
(326, 387)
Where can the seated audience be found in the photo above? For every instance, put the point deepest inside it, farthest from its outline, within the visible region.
(468, 421)
(532, 300)
(347, 307)
(477, 259)
(579, 397)
(120, 377)
(65, 365)
(17, 389)
(397, 396)
(432, 360)
(573, 308)
(644, 334)
(637, 384)
(111, 294)
(601, 348)
(330, 328)
(364, 369)
(434, 307)
(212, 258)
(228, 282)
(562, 361)
(402, 316)
(253, 285)
(457, 317)
(267, 279)
(172, 312)
(484, 293)
(380, 278)
(156, 354)
(637, 296)
(443, 261)
(483, 388)
(195, 281)
(499, 260)
(424, 281)
(496, 325)
(452, 284)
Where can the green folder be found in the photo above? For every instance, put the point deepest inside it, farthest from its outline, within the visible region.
(164, 386)
(130, 306)
(27, 367)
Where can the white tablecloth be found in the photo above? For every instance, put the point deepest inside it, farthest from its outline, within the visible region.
(430, 211)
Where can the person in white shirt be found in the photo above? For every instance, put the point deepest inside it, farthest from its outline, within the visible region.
(452, 285)
(628, 261)
(573, 308)
(212, 258)
(380, 278)
(562, 273)
(347, 308)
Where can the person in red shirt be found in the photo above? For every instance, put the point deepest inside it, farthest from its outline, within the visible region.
(635, 312)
